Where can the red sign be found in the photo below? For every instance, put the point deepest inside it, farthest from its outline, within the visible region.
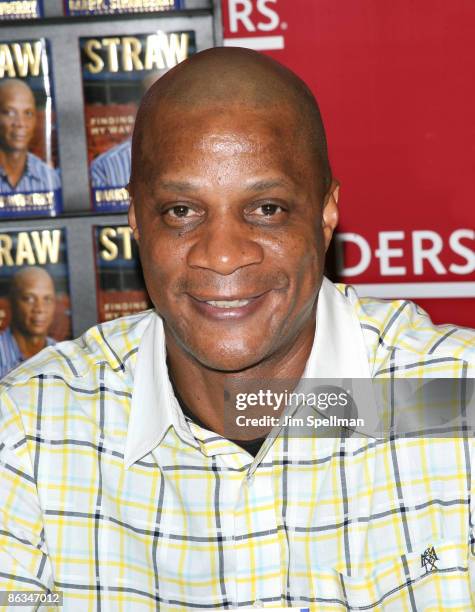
(396, 90)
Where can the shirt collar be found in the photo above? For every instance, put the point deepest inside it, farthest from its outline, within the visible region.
(32, 169)
(338, 351)
(10, 338)
(154, 406)
(8, 334)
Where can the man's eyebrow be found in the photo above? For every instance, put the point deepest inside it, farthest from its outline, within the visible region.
(186, 186)
(177, 186)
(266, 184)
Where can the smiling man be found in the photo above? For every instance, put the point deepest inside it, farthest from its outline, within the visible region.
(121, 485)
(32, 303)
(247, 219)
(20, 170)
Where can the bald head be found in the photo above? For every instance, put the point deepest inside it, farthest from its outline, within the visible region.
(223, 79)
(16, 87)
(30, 275)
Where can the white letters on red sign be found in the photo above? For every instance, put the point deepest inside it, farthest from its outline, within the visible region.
(252, 15)
(273, 20)
(385, 253)
(466, 252)
(426, 245)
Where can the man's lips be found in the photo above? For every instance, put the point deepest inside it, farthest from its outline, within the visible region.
(227, 307)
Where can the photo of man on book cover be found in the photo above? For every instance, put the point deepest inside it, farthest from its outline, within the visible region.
(30, 183)
(35, 309)
(117, 71)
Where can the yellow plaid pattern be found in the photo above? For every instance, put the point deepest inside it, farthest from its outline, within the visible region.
(329, 524)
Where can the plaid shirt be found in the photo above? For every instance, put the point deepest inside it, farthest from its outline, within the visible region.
(110, 495)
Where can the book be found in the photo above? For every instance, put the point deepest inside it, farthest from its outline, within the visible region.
(120, 286)
(116, 72)
(30, 181)
(117, 7)
(21, 9)
(35, 306)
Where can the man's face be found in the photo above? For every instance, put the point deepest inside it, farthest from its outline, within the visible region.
(17, 118)
(33, 305)
(229, 223)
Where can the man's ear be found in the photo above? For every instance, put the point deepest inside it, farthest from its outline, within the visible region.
(133, 220)
(330, 212)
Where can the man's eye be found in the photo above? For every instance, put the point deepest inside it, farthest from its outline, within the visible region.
(268, 210)
(179, 211)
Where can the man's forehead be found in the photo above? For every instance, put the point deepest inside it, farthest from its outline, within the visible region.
(16, 93)
(260, 154)
(255, 122)
(33, 279)
(254, 135)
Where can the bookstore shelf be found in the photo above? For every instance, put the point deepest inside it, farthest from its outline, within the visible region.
(78, 219)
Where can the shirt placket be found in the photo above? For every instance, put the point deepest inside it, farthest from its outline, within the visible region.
(259, 548)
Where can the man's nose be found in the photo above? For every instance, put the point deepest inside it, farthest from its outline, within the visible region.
(38, 306)
(18, 120)
(226, 244)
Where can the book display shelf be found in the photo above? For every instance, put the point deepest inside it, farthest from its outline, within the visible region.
(86, 108)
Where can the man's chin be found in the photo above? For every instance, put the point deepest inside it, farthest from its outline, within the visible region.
(37, 332)
(225, 347)
(19, 146)
(228, 360)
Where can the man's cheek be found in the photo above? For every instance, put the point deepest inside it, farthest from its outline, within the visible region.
(160, 283)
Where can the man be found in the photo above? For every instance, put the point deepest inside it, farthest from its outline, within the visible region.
(119, 488)
(20, 171)
(32, 302)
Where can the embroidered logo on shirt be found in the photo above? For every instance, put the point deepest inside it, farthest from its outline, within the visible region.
(428, 559)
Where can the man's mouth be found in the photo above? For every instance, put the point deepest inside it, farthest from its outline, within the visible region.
(232, 308)
(227, 303)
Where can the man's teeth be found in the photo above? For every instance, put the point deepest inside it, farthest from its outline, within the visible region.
(228, 303)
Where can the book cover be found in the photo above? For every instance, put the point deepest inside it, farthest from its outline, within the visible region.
(120, 285)
(117, 7)
(30, 182)
(35, 308)
(117, 71)
(21, 9)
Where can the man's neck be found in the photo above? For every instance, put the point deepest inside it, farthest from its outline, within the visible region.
(202, 389)
(28, 345)
(14, 164)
